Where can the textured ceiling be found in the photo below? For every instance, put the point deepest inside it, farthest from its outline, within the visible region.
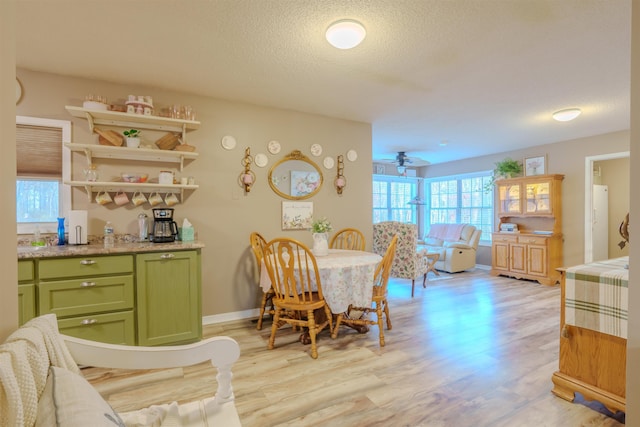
(483, 75)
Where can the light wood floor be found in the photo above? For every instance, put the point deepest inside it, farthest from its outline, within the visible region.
(471, 350)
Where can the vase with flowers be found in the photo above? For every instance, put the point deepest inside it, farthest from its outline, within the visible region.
(321, 229)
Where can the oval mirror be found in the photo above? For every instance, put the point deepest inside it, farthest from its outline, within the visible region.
(295, 177)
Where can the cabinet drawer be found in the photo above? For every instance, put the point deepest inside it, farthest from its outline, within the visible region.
(88, 295)
(25, 271)
(505, 238)
(85, 266)
(532, 240)
(112, 328)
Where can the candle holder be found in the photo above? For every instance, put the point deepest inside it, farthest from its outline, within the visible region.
(247, 178)
(340, 182)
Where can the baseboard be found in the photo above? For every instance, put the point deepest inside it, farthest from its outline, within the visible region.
(228, 317)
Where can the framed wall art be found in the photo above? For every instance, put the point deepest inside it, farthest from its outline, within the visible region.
(535, 165)
(297, 215)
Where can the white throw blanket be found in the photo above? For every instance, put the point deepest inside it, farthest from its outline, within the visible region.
(25, 358)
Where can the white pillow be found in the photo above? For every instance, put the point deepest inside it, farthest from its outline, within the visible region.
(68, 400)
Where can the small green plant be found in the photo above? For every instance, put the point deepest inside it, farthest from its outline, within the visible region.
(507, 168)
(321, 226)
(132, 133)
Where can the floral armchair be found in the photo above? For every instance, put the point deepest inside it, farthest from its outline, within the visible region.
(409, 263)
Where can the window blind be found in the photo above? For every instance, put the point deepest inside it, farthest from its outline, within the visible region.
(38, 151)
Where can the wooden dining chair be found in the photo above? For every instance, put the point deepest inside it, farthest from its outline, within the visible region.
(297, 298)
(379, 298)
(257, 246)
(348, 238)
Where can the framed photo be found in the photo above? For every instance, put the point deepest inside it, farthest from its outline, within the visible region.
(297, 215)
(304, 183)
(535, 165)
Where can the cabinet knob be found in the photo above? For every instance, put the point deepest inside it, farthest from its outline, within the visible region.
(87, 284)
(89, 321)
(166, 256)
(87, 262)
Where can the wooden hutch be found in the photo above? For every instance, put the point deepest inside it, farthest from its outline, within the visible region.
(534, 250)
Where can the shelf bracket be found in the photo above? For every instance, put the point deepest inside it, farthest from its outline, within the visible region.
(88, 154)
(90, 120)
(181, 163)
(184, 133)
(89, 192)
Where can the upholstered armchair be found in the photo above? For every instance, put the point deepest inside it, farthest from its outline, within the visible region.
(409, 263)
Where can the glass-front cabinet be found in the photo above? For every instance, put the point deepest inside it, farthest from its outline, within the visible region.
(527, 243)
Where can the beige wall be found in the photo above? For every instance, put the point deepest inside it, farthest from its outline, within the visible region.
(8, 253)
(222, 214)
(615, 175)
(566, 157)
(633, 341)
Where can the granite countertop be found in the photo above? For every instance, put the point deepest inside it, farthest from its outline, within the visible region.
(28, 252)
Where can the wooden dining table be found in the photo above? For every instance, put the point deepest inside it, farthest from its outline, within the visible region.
(346, 277)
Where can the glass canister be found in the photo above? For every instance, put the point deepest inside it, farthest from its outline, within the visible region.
(91, 174)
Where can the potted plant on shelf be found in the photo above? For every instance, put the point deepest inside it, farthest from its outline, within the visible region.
(507, 168)
(133, 137)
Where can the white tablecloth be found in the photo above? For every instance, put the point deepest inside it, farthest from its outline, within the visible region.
(346, 276)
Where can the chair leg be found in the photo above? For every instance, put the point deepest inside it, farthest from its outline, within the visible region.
(312, 333)
(263, 305)
(386, 313)
(380, 328)
(424, 280)
(274, 328)
(413, 286)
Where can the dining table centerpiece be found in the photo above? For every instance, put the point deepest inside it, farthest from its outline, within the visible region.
(321, 229)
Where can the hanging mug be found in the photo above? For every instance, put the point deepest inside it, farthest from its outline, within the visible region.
(171, 199)
(103, 198)
(121, 198)
(155, 199)
(138, 198)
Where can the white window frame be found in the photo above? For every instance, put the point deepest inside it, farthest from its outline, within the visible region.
(414, 193)
(485, 240)
(65, 190)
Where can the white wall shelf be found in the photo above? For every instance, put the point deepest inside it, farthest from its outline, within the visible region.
(130, 187)
(125, 153)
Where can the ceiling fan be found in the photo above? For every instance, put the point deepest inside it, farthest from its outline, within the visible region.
(402, 161)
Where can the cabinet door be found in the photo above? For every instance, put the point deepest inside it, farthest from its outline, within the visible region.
(518, 257)
(168, 297)
(509, 199)
(501, 256)
(26, 303)
(538, 198)
(537, 256)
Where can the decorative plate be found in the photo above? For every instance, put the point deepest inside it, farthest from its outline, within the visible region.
(328, 162)
(316, 149)
(273, 147)
(261, 160)
(228, 142)
(352, 156)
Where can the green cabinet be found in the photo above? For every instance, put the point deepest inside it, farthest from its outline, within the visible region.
(26, 291)
(168, 297)
(92, 297)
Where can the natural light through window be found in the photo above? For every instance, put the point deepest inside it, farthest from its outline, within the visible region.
(391, 195)
(462, 199)
(38, 200)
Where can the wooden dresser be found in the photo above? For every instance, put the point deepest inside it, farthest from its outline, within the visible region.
(592, 362)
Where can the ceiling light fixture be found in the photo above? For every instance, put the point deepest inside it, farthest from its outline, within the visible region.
(345, 34)
(401, 169)
(566, 115)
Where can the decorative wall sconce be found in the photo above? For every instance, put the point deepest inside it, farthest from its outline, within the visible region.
(247, 178)
(340, 181)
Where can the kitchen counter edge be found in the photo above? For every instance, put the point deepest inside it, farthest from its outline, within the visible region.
(31, 252)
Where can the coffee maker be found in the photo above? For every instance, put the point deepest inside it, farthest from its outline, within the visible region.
(165, 228)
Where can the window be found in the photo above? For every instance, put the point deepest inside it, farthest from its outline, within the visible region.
(390, 197)
(42, 165)
(462, 199)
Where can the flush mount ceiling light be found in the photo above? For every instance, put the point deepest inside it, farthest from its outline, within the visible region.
(345, 34)
(566, 115)
(401, 169)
